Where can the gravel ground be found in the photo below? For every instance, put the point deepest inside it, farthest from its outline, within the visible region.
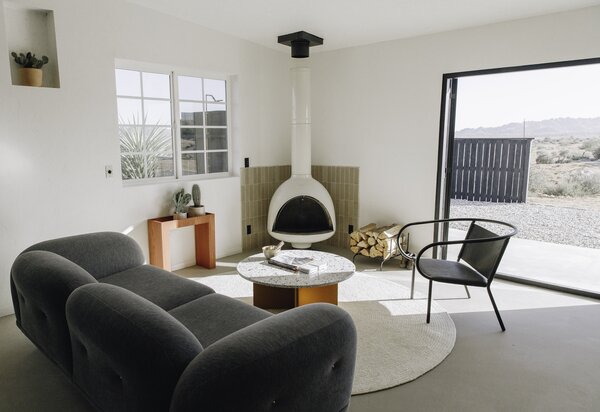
(545, 223)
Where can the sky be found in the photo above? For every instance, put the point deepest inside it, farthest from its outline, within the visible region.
(497, 99)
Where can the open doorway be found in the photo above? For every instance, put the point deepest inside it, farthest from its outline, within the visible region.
(522, 145)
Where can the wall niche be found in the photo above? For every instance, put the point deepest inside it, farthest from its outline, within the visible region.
(29, 29)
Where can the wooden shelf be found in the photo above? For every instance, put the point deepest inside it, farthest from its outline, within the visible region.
(159, 246)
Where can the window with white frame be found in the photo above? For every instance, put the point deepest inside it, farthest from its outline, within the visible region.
(171, 125)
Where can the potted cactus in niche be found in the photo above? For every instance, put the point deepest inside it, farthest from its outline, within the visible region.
(31, 68)
(198, 208)
(181, 200)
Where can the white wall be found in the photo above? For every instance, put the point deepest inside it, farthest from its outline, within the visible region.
(378, 106)
(54, 143)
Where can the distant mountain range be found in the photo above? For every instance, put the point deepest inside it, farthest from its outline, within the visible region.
(561, 127)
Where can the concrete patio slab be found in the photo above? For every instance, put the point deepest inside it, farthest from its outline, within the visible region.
(563, 265)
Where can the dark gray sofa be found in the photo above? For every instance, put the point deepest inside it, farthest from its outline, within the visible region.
(133, 337)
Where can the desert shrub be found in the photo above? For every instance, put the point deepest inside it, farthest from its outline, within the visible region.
(155, 140)
(577, 185)
(587, 185)
(543, 159)
(563, 157)
(537, 180)
(576, 157)
(590, 144)
(559, 189)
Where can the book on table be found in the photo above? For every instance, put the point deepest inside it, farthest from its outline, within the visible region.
(300, 264)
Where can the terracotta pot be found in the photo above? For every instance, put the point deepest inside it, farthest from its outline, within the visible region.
(31, 77)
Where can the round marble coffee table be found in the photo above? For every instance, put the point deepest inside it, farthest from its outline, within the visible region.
(279, 288)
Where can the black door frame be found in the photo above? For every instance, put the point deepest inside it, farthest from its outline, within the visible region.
(445, 146)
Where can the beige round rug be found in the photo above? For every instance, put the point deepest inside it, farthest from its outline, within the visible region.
(395, 345)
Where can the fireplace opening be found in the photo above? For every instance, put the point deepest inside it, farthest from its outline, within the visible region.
(302, 214)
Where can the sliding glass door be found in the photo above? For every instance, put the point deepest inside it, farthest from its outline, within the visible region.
(522, 145)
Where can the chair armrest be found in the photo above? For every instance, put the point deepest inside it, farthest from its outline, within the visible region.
(300, 360)
(414, 256)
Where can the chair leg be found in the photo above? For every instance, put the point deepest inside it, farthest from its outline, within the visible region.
(429, 301)
(468, 293)
(412, 283)
(496, 309)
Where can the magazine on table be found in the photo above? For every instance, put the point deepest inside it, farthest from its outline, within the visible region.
(301, 264)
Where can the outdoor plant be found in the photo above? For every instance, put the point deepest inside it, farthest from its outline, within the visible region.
(196, 195)
(543, 158)
(29, 61)
(155, 143)
(575, 185)
(181, 200)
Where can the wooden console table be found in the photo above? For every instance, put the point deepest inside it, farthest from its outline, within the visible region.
(158, 239)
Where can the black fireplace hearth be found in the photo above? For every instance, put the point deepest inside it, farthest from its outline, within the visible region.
(303, 215)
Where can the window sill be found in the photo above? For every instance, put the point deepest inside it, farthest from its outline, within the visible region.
(162, 180)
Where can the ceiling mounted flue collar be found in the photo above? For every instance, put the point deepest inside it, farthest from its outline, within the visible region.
(300, 42)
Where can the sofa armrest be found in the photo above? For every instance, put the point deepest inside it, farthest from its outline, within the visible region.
(101, 253)
(127, 352)
(300, 360)
(41, 282)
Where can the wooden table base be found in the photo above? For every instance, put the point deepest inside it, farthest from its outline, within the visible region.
(204, 237)
(269, 297)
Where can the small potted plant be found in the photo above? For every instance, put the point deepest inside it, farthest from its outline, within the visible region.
(181, 200)
(198, 208)
(31, 70)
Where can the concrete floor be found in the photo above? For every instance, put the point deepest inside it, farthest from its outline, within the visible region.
(509, 295)
(545, 361)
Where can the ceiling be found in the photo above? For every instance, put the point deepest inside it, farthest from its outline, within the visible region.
(347, 23)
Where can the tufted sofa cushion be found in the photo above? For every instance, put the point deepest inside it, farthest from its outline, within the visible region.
(100, 254)
(127, 352)
(299, 360)
(158, 286)
(44, 282)
(215, 316)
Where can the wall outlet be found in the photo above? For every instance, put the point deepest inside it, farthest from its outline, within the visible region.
(350, 229)
(248, 229)
(246, 162)
(108, 171)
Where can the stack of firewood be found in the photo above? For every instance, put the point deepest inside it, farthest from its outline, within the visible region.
(378, 241)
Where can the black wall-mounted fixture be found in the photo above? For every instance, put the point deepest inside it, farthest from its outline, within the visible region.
(300, 42)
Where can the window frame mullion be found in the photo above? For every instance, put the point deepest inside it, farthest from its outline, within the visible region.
(142, 121)
(228, 124)
(176, 125)
(204, 124)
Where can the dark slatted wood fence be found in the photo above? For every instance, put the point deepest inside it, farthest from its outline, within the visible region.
(490, 170)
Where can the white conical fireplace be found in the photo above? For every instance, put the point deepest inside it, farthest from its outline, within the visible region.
(301, 210)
